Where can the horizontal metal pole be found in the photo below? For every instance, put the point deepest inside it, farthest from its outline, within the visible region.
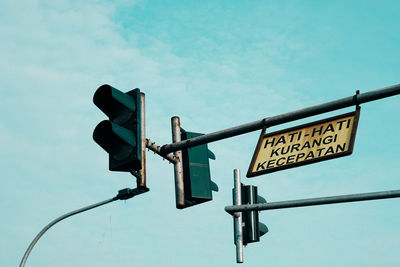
(283, 118)
(313, 201)
(156, 149)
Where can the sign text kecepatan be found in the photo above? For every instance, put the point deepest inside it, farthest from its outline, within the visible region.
(321, 140)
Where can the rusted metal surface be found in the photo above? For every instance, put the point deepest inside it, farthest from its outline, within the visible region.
(178, 166)
(156, 149)
(141, 180)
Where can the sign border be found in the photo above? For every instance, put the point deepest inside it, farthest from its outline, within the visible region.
(263, 135)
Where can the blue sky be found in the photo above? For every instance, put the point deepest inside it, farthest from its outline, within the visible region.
(216, 64)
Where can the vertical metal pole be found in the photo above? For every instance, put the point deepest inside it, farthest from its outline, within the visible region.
(237, 217)
(141, 181)
(178, 166)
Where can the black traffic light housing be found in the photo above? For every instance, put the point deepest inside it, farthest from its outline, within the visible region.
(120, 136)
(252, 228)
(198, 186)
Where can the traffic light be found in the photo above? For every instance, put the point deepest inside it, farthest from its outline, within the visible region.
(197, 184)
(121, 135)
(252, 228)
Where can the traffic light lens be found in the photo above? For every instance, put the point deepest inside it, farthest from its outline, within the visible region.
(118, 106)
(119, 149)
(114, 139)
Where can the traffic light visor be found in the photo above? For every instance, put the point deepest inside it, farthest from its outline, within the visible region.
(118, 106)
(116, 140)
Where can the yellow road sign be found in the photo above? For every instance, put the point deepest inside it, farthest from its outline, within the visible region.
(309, 143)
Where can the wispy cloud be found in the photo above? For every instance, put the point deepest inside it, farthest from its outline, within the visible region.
(216, 65)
